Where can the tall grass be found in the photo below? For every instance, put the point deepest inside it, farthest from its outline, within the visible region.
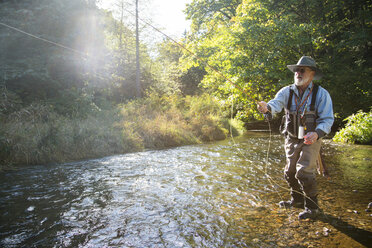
(38, 135)
(166, 121)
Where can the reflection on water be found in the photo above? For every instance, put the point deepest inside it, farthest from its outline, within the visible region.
(214, 195)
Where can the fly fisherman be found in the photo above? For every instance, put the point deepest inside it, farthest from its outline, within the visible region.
(308, 118)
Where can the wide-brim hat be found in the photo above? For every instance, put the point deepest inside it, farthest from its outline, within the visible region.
(309, 62)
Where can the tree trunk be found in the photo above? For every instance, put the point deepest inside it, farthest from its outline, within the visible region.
(138, 74)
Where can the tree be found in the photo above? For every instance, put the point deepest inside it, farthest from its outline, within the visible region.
(74, 51)
(37, 68)
(172, 79)
(253, 47)
(128, 12)
(202, 12)
(138, 73)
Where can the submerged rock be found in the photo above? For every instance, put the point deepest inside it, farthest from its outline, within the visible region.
(326, 231)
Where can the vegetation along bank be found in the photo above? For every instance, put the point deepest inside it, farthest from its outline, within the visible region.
(80, 99)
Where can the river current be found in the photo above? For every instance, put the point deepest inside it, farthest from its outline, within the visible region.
(222, 194)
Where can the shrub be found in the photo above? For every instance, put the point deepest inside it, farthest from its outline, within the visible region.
(157, 121)
(358, 129)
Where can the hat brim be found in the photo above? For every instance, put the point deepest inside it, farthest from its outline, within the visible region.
(318, 73)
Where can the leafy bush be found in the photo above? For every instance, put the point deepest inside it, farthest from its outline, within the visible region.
(358, 129)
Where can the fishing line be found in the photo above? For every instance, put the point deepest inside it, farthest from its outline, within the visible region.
(84, 55)
(193, 54)
(270, 179)
(232, 105)
(45, 40)
(237, 86)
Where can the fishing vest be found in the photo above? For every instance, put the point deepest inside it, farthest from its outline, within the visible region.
(292, 119)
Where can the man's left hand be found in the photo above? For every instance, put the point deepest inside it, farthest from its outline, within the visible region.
(310, 138)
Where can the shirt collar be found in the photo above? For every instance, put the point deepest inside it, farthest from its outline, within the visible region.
(294, 88)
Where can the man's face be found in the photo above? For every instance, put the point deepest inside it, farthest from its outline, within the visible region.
(303, 76)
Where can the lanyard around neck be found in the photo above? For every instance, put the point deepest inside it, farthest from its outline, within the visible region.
(305, 100)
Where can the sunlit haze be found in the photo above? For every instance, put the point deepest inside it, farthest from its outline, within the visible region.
(170, 15)
(166, 15)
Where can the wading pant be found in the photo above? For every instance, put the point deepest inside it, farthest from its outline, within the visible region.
(301, 167)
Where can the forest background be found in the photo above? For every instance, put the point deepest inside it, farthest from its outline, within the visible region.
(79, 99)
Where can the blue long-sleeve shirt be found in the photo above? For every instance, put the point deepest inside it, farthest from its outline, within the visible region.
(323, 106)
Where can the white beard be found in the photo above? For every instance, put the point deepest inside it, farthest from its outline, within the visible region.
(300, 81)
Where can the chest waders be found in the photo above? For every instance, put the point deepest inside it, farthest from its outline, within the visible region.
(292, 120)
(301, 163)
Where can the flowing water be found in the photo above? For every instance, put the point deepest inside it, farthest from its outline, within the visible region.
(221, 194)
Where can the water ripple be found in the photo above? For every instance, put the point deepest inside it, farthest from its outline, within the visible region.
(183, 197)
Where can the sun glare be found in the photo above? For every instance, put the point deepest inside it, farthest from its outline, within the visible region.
(166, 15)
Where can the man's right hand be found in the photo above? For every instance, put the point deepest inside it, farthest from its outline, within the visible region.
(262, 107)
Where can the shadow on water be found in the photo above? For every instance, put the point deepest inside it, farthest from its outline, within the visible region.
(361, 236)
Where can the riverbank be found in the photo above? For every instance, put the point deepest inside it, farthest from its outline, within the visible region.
(38, 134)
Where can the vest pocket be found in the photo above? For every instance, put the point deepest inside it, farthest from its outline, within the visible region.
(291, 124)
(310, 122)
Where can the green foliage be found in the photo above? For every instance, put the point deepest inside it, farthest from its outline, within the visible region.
(236, 127)
(260, 37)
(58, 102)
(9, 101)
(120, 67)
(87, 49)
(358, 129)
(206, 117)
(202, 12)
(172, 78)
(166, 121)
(245, 52)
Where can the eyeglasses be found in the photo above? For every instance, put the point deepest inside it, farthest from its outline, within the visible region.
(302, 70)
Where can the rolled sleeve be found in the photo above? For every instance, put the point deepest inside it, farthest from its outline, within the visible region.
(280, 101)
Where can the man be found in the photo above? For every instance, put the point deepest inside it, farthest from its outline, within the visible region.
(308, 118)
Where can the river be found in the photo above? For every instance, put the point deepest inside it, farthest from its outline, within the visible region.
(221, 194)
